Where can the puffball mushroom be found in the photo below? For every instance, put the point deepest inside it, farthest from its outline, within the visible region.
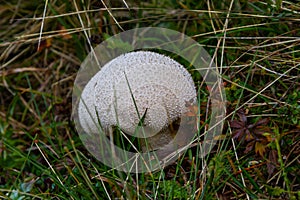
(135, 85)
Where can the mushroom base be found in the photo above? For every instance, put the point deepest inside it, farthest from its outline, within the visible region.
(162, 138)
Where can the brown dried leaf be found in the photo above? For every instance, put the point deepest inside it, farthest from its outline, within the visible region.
(45, 44)
(260, 148)
(64, 33)
(242, 116)
(248, 135)
(261, 122)
(238, 134)
(249, 147)
(237, 124)
(271, 165)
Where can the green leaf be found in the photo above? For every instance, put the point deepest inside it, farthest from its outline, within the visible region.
(277, 191)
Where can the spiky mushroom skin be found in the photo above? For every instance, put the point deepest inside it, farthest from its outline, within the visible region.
(134, 84)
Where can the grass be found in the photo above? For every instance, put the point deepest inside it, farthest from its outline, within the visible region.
(255, 45)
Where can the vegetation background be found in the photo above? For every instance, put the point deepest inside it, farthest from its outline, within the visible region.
(254, 43)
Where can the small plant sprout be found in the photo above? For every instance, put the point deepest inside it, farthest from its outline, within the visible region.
(134, 90)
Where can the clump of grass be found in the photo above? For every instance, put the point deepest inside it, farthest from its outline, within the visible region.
(255, 45)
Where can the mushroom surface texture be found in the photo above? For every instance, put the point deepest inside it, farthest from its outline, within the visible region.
(137, 86)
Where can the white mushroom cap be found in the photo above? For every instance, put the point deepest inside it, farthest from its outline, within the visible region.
(159, 85)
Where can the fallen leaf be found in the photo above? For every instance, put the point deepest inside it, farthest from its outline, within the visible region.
(45, 44)
(64, 32)
(260, 148)
(273, 160)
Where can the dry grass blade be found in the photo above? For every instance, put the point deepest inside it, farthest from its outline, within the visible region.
(42, 24)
